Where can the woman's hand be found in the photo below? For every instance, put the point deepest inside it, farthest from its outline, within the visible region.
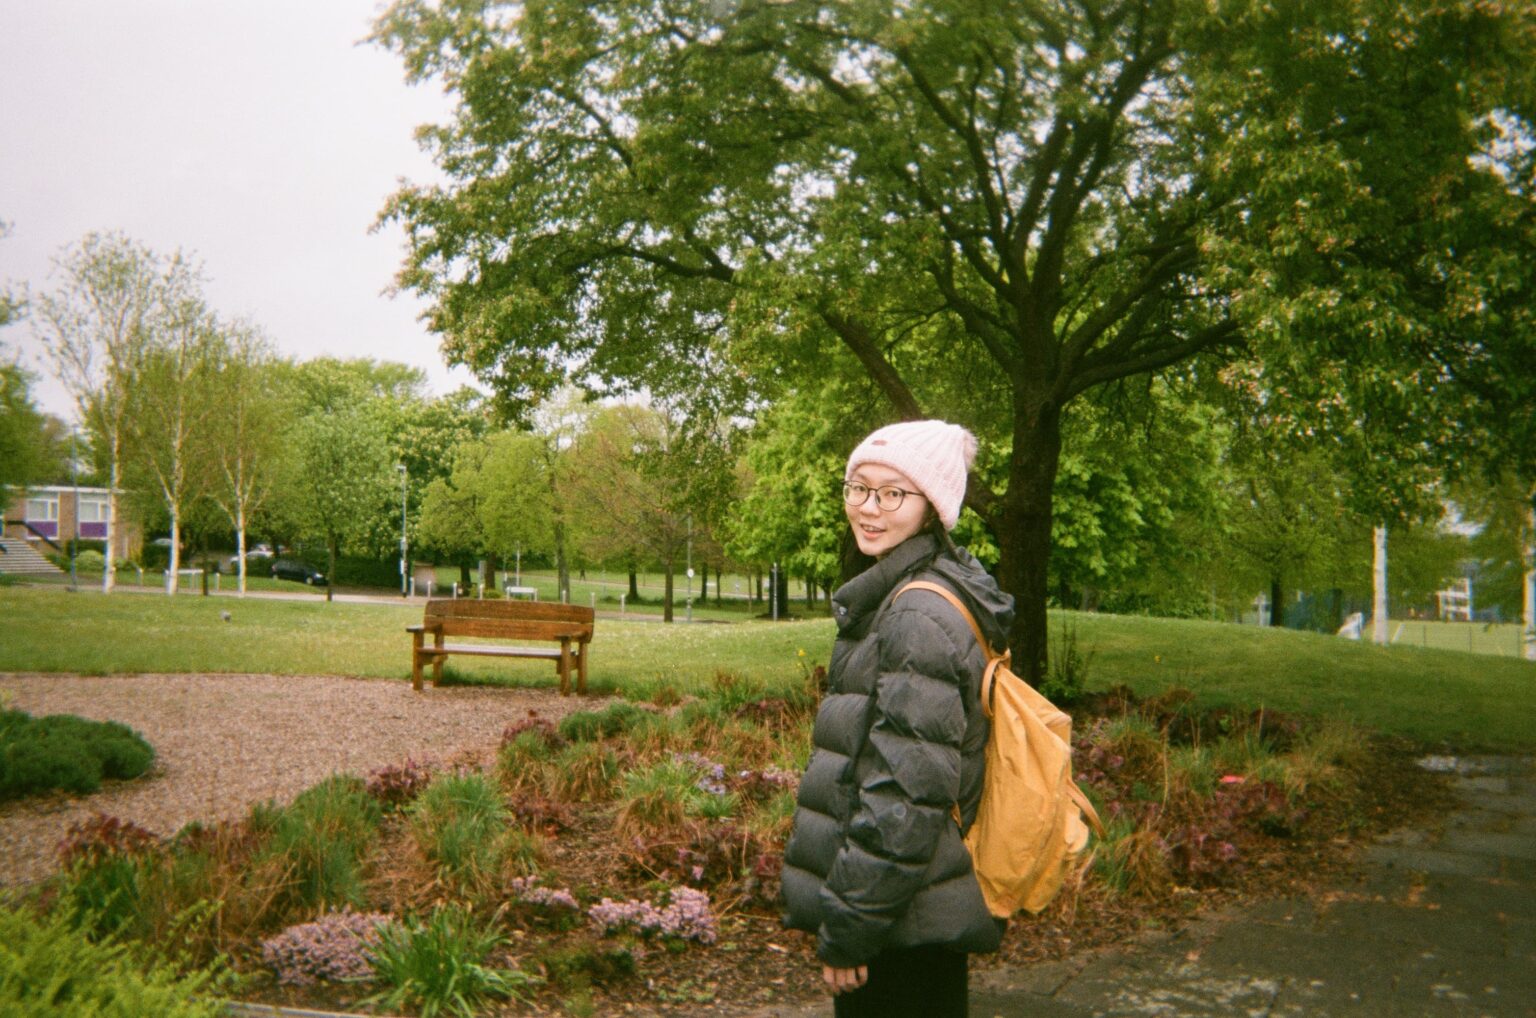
(844, 980)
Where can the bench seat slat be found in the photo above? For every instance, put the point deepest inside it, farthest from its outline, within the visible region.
(511, 629)
(491, 650)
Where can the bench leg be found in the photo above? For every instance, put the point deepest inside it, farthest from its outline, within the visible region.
(437, 659)
(581, 670)
(416, 662)
(565, 667)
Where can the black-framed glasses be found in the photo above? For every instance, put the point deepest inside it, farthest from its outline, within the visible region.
(888, 497)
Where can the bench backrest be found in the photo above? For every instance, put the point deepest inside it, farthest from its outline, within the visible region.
(526, 620)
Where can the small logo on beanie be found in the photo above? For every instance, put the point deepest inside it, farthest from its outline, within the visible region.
(878, 441)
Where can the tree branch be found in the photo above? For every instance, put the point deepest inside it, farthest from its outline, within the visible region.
(857, 337)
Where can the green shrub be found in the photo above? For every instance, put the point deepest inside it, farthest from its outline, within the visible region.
(441, 965)
(317, 844)
(48, 968)
(67, 753)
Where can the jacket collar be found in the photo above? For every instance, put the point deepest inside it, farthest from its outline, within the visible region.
(857, 600)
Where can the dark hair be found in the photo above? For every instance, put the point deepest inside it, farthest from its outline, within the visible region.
(854, 561)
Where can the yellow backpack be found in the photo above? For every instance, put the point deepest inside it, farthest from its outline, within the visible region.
(1031, 829)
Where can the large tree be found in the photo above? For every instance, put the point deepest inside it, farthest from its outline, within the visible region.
(95, 325)
(989, 206)
(245, 434)
(172, 403)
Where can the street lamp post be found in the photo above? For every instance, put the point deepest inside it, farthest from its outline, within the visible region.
(404, 546)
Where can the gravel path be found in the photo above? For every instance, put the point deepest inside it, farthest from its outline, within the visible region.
(223, 742)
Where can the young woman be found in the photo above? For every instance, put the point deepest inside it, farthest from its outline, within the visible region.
(875, 865)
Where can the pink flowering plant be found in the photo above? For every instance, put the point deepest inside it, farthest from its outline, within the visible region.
(334, 948)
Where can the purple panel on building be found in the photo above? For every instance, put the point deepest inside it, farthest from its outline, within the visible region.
(48, 528)
(93, 531)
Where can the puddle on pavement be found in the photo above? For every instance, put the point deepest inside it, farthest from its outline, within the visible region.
(1468, 766)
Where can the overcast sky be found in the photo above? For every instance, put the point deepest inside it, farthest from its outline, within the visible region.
(256, 134)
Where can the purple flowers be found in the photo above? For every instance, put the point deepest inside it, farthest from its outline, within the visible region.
(524, 889)
(334, 947)
(712, 774)
(687, 917)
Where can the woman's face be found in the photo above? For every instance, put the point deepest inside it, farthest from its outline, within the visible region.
(877, 530)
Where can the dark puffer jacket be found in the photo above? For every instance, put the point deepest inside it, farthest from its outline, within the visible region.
(875, 859)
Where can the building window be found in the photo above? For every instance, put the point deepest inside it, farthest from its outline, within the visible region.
(94, 513)
(94, 510)
(43, 516)
(42, 510)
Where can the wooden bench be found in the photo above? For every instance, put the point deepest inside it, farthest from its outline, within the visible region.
(567, 624)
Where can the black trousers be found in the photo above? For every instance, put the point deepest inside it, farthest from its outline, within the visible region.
(911, 982)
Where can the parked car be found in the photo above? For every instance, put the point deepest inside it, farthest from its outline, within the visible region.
(255, 559)
(293, 569)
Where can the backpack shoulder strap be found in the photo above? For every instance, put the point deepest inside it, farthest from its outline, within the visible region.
(965, 613)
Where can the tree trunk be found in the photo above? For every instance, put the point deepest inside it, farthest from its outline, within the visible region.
(173, 563)
(1379, 588)
(1276, 602)
(330, 565)
(1528, 554)
(109, 570)
(240, 548)
(719, 581)
(634, 584)
(1023, 532)
(666, 594)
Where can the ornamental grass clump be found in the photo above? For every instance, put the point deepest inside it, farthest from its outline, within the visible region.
(334, 948)
(585, 772)
(615, 719)
(462, 826)
(666, 794)
(443, 965)
(317, 845)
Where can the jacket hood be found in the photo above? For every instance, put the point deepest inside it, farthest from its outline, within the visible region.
(992, 607)
(856, 601)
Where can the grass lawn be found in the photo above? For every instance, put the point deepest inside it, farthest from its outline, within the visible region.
(1504, 639)
(1432, 696)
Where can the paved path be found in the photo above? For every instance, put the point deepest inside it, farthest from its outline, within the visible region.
(1439, 923)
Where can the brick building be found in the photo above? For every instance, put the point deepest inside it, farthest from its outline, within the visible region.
(47, 517)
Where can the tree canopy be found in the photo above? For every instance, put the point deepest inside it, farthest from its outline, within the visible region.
(989, 208)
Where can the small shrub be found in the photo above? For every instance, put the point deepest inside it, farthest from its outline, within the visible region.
(441, 965)
(532, 733)
(49, 968)
(583, 966)
(1067, 673)
(66, 753)
(333, 948)
(101, 837)
(395, 785)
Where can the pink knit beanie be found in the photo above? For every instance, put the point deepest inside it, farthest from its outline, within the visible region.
(934, 454)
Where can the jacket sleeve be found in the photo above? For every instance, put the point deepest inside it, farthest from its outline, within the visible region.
(909, 776)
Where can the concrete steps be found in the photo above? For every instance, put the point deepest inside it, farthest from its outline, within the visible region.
(19, 558)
